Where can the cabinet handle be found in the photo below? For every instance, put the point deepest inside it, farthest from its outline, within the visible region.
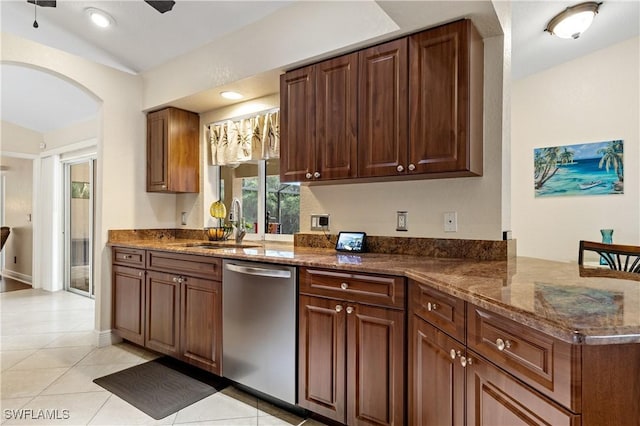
(432, 306)
(175, 279)
(308, 175)
(465, 361)
(503, 344)
(164, 186)
(412, 167)
(349, 309)
(452, 353)
(344, 286)
(126, 256)
(400, 168)
(140, 273)
(316, 175)
(338, 308)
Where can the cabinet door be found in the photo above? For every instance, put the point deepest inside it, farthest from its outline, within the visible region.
(441, 99)
(201, 327)
(382, 119)
(336, 117)
(495, 398)
(128, 303)
(297, 125)
(157, 151)
(436, 378)
(375, 365)
(321, 351)
(183, 158)
(162, 313)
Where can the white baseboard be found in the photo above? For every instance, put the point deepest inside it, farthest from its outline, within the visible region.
(106, 338)
(27, 279)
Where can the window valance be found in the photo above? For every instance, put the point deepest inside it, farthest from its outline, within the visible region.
(256, 137)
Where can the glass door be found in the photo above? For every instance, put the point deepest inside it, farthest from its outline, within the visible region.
(78, 234)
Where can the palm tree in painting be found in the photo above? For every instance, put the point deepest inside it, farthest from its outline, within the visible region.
(566, 156)
(612, 158)
(545, 164)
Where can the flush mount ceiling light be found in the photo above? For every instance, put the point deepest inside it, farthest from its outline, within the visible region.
(231, 95)
(99, 17)
(574, 20)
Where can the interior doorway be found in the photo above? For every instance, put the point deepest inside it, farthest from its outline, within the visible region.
(79, 202)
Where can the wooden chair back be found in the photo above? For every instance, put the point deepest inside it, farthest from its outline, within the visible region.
(618, 257)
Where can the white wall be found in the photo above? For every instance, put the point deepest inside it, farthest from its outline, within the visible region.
(591, 99)
(75, 133)
(14, 138)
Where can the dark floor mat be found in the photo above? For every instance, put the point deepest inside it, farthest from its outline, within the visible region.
(161, 387)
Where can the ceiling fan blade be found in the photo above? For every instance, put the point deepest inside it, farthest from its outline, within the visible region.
(160, 5)
(43, 3)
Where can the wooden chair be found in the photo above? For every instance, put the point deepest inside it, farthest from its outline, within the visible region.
(4, 234)
(618, 257)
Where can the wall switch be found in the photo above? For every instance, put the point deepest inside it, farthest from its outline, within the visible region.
(183, 218)
(451, 222)
(319, 222)
(401, 221)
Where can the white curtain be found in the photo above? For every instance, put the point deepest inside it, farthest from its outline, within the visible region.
(238, 140)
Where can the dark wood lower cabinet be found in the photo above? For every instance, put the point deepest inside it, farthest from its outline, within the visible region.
(128, 303)
(162, 319)
(201, 316)
(436, 379)
(351, 366)
(496, 398)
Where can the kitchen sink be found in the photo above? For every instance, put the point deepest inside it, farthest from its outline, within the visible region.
(220, 245)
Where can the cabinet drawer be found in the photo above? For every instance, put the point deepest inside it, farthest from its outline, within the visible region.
(381, 290)
(128, 257)
(185, 264)
(442, 310)
(547, 364)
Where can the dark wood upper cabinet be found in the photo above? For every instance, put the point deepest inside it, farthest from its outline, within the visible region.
(336, 118)
(445, 97)
(173, 151)
(382, 118)
(297, 124)
(418, 106)
(318, 134)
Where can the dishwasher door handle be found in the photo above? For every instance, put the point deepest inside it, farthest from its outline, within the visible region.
(260, 272)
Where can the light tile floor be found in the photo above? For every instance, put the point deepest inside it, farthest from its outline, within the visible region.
(48, 362)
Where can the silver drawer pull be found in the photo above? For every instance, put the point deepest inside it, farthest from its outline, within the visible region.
(502, 344)
(126, 256)
(432, 306)
(344, 286)
(338, 308)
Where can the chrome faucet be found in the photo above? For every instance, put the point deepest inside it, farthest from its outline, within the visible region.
(235, 217)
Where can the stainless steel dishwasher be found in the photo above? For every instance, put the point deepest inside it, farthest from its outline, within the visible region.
(259, 327)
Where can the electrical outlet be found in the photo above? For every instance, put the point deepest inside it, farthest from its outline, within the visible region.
(401, 221)
(319, 222)
(451, 222)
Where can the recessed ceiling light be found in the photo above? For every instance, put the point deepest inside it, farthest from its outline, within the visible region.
(574, 20)
(99, 17)
(231, 95)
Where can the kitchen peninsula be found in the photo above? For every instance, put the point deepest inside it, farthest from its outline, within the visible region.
(512, 341)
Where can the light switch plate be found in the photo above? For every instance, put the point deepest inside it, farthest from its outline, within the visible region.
(319, 222)
(401, 220)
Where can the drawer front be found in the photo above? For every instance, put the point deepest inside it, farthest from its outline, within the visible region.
(442, 310)
(185, 264)
(383, 290)
(128, 257)
(548, 365)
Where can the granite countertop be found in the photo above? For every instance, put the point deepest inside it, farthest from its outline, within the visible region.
(573, 304)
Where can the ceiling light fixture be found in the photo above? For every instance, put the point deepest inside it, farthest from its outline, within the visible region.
(231, 95)
(574, 20)
(99, 17)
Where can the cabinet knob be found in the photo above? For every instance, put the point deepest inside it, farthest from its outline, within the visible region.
(400, 168)
(338, 308)
(164, 186)
(432, 306)
(412, 167)
(316, 175)
(126, 256)
(452, 353)
(175, 279)
(344, 286)
(349, 309)
(465, 361)
(502, 344)
(308, 175)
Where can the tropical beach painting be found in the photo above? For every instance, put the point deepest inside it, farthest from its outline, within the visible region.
(583, 169)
